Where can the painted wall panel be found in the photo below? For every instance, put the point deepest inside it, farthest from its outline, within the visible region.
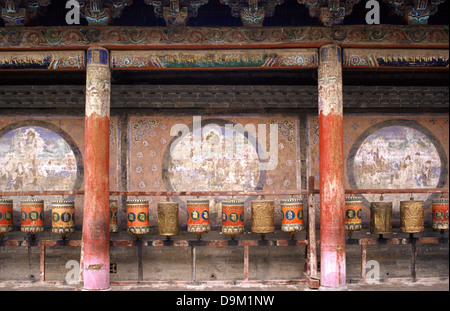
(393, 152)
(207, 166)
(43, 153)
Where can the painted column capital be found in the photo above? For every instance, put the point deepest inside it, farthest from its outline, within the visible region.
(97, 55)
(330, 79)
(98, 82)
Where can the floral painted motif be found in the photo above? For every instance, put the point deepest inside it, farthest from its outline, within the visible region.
(141, 128)
(285, 129)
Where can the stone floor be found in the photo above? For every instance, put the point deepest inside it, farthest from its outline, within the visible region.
(389, 286)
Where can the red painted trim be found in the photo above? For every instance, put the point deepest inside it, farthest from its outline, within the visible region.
(332, 200)
(96, 204)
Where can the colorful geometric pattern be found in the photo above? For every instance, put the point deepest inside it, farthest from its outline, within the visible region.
(307, 58)
(291, 215)
(440, 209)
(353, 213)
(198, 216)
(233, 217)
(6, 215)
(138, 216)
(32, 216)
(63, 217)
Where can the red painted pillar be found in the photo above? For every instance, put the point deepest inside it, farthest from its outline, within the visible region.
(95, 246)
(331, 145)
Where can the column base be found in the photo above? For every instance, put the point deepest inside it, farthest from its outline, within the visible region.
(96, 290)
(333, 289)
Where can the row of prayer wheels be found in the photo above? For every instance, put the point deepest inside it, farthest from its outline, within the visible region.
(263, 212)
(411, 215)
(32, 216)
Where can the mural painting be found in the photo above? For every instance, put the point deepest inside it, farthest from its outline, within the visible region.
(392, 153)
(397, 157)
(35, 158)
(211, 170)
(205, 165)
(46, 154)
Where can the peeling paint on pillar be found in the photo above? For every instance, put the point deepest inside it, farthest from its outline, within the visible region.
(95, 251)
(331, 150)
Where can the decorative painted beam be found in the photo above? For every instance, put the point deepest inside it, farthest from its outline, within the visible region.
(204, 37)
(190, 59)
(176, 12)
(252, 12)
(102, 12)
(417, 11)
(48, 60)
(425, 58)
(329, 12)
(18, 12)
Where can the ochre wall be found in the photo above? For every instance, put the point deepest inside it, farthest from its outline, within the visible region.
(149, 165)
(363, 128)
(69, 129)
(132, 143)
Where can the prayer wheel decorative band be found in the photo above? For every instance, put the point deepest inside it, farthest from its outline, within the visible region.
(6, 215)
(263, 216)
(32, 216)
(411, 216)
(233, 217)
(168, 218)
(113, 224)
(63, 217)
(198, 216)
(353, 213)
(440, 214)
(381, 217)
(292, 215)
(138, 217)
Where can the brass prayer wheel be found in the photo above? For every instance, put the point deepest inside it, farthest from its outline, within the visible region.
(292, 215)
(138, 217)
(113, 223)
(32, 216)
(233, 217)
(353, 214)
(381, 217)
(63, 217)
(168, 218)
(440, 213)
(6, 215)
(263, 216)
(411, 216)
(198, 216)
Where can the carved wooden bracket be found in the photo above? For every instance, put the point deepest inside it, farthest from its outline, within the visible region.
(19, 12)
(176, 12)
(102, 12)
(329, 12)
(252, 12)
(417, 11)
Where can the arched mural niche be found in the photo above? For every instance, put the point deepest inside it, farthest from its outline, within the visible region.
(397, 154)
(212, 174)
(36, 155)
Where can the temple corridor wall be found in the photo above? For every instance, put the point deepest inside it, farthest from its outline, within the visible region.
(45, 152)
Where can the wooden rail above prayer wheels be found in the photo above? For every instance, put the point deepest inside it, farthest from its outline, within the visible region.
(223, 193)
